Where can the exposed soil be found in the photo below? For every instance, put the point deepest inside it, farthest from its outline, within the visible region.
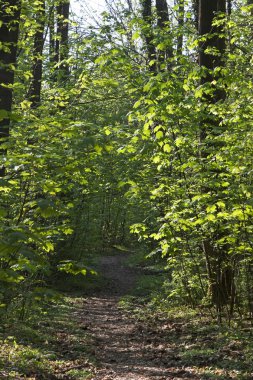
(124, 348)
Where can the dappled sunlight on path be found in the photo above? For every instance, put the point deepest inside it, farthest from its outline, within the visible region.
(123, 348)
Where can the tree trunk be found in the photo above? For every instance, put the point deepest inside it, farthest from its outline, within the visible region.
(219, 269)
(207, 11)
(9, 28)
(148, 34)
(163, 22)
(195, 6)
(52, 48)
(130, 6)
(35, 88)
(62, 42)
(162, 13)
(59, 40)
(180, 27)
(229, 7)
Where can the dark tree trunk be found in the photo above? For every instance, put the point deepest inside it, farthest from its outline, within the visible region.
(207, 11)
(59, 40)
(148, 34)
(10, 18)
(180, 27)
(62, 43)
(58, 33)
(130, 6)
(219, 269)
(52, 48)
(195, 6)
(162, 13)
(35, 88)
(229, 7)
(163, 22)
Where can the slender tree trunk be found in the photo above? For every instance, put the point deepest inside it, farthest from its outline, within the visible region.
(62, 42)
(148, 34)
(52, 42)
(130, 6)
(163, 22)
(58, 36)
(229, 7)
(180, 27)
(35, 88)
(219, 271)
(59, 40)
(162, 13)
(195, 7)
(9, 29)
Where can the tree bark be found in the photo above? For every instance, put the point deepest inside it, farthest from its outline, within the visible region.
(9, 29)
(195, 6)
(162, 13)
(207, 11)
(163, 22)
(148, 34)
(62, 43)
(180, 27)
(52, 50)
(59, 40)
(229, 7)
(219, 269)
(34, 93)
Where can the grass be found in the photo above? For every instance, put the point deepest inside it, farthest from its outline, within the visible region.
(49, 346)
(147, 285)
(212, 351)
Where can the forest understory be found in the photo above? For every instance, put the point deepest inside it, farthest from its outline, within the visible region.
(114, 330)
(126, 190)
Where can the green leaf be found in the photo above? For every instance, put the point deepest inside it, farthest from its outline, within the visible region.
(167, 148)
(159, 135)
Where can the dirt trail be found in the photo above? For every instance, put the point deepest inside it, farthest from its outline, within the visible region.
(124, 349)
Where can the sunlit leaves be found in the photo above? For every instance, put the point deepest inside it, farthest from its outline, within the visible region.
(74, 267)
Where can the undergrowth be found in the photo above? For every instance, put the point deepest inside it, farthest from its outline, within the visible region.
(215, 351)
(49, 345)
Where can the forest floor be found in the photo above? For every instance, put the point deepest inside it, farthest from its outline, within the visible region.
(110, 333)
(125, 348)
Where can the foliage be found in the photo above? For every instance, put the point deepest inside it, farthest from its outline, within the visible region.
(115, 146)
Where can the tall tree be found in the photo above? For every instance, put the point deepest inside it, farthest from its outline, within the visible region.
(180, 17)
(207, 11)
(59, 39)
(163, 22)
(52, 53)
(35, 87)
(9, 29)
(211, 54)
(229, 7)
(195, 6)
(148, 33)
(162, 12)
(62, 41)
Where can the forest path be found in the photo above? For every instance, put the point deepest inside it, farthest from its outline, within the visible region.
(123, 347)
